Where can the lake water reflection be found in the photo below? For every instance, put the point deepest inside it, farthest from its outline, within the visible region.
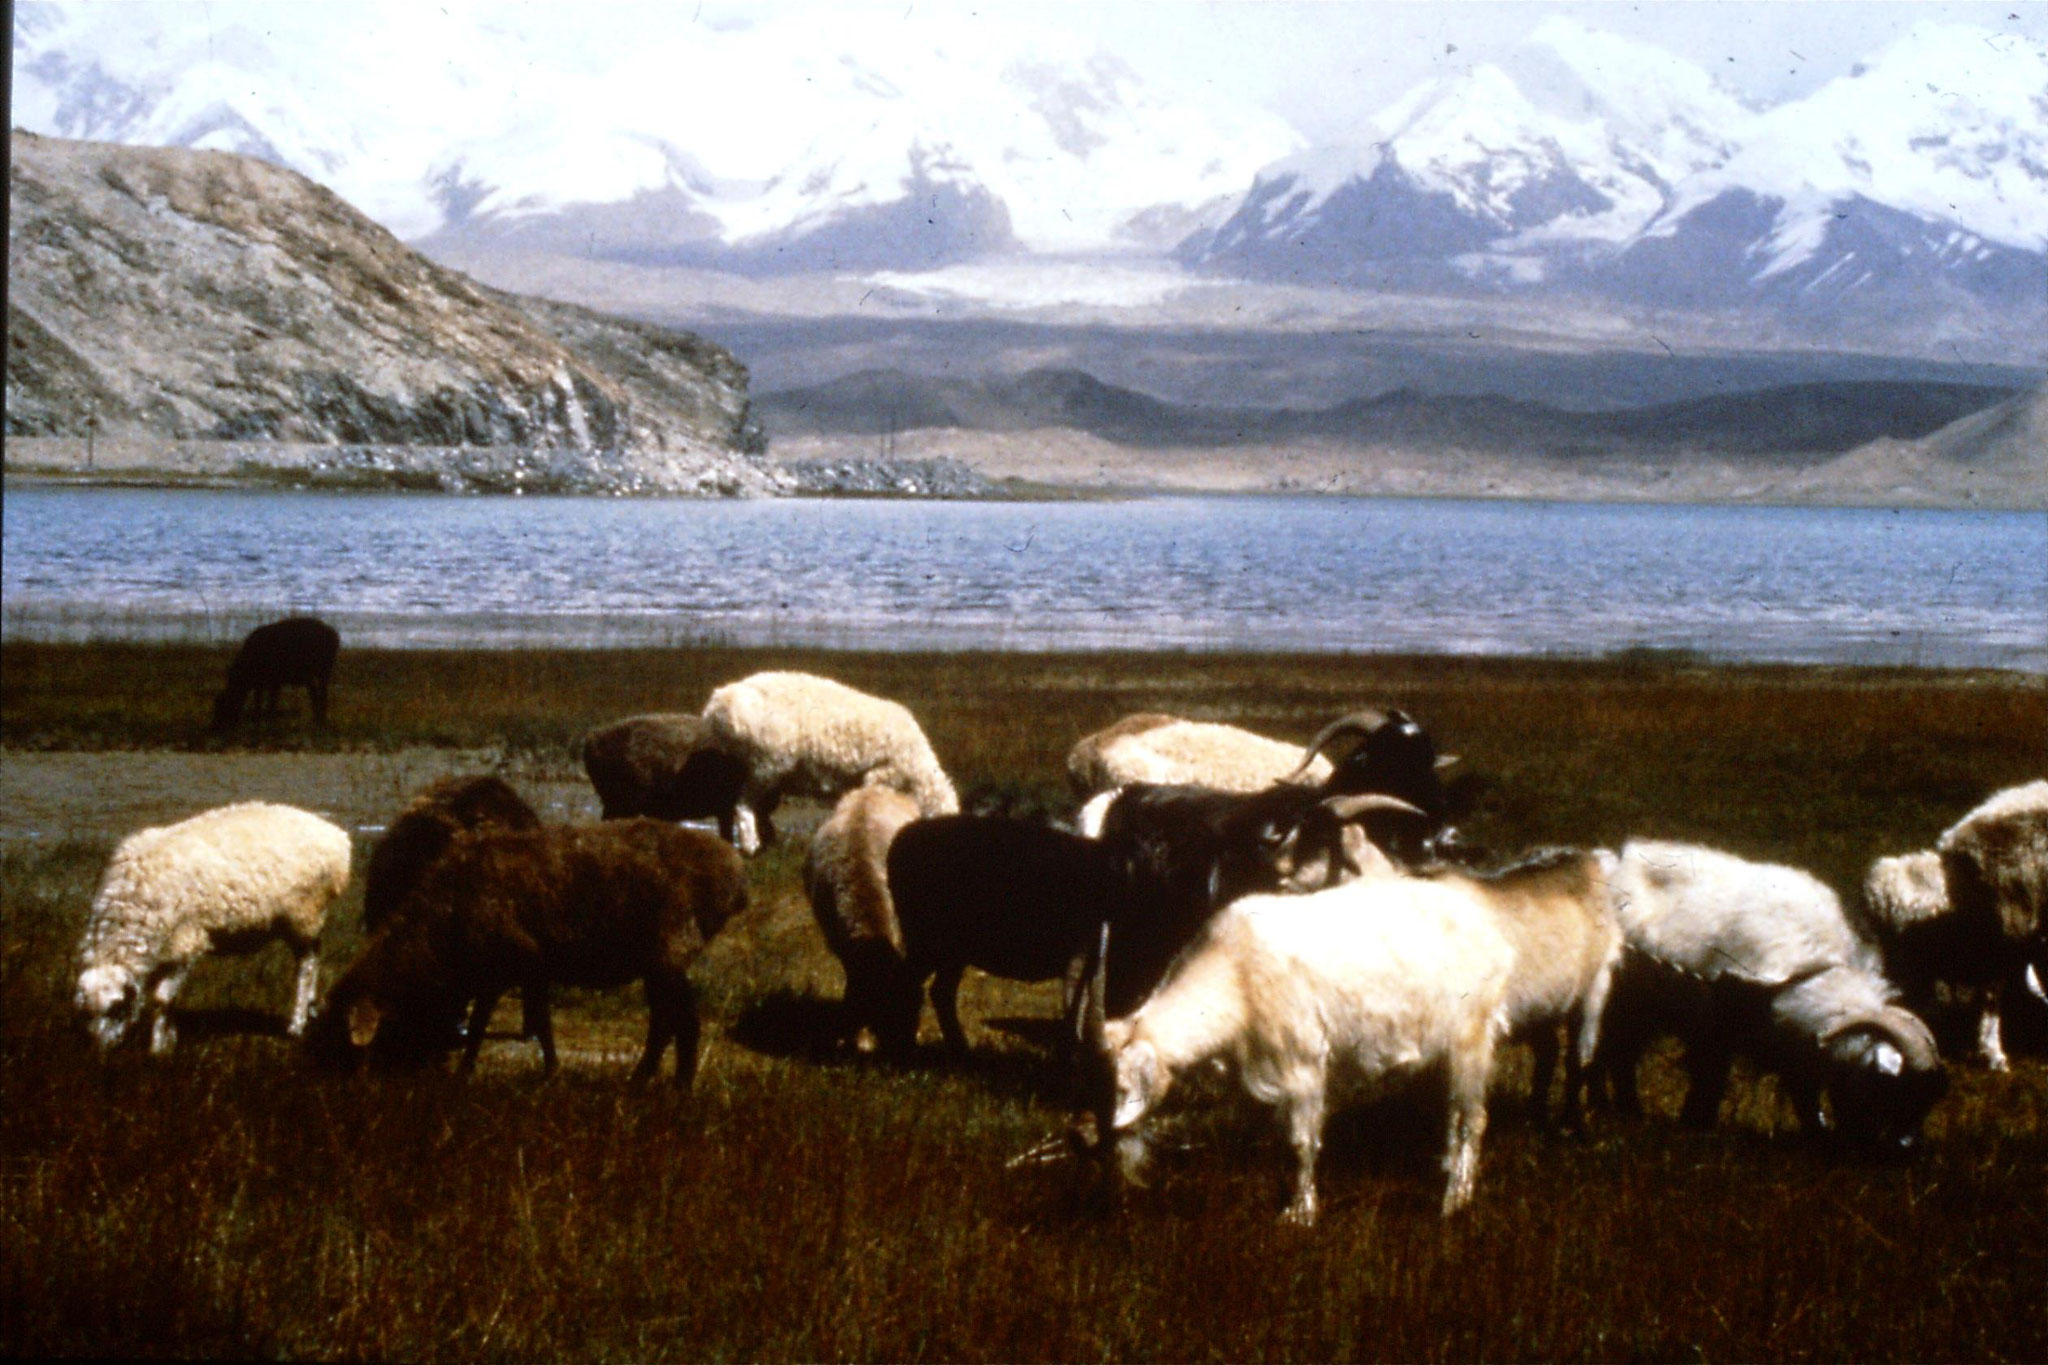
(1948, 589)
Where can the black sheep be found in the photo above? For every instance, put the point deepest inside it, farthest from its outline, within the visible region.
(298, 651)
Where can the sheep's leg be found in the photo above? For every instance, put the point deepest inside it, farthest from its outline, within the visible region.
(685, 1027)
(746, 835)
(1990, 1036)
(317, 691)
(538, 1016)
(671, 1017)
(163, 1035)
(1542, 1067)
(1304, 1112)
(946, 1004)
(304, 990)
(1805, 1097)
(1706, 1065)
(479, 1020)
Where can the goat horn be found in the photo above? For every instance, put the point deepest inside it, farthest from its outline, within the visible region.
(1361, 723)
(2034, 984)
(1349, 809)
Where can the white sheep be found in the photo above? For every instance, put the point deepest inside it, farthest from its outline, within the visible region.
(228, 880)
(1970, 910)
(1375, 976)
(799, 734)
(1167, 750)
(846, 874)
(1737, 956)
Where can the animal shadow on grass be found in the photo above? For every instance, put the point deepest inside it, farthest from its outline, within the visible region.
(798, 1024)
(199, 1025)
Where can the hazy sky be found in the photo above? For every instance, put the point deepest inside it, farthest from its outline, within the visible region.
(1323, 65)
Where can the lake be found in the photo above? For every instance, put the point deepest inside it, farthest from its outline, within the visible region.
(1820, 585)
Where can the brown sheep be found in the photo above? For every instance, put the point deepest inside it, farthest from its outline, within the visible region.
(422, 831)
(584, 905)
(660, 765)
(847, 876)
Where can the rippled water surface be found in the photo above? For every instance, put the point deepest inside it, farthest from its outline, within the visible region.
(1795, 584)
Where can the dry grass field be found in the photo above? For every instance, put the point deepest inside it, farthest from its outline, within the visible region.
(226, 1202)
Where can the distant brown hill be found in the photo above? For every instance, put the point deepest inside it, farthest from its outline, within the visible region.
(1994, 458)
(191, 296)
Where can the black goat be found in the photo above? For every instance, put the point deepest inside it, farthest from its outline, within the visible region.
(298, 651)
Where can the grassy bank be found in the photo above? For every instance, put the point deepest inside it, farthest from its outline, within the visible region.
(224, 1203)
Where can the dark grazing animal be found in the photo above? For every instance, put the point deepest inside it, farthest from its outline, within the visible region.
(662, 765)
(421, 833)
(584, 905)
(1010, 897)
(298, 651)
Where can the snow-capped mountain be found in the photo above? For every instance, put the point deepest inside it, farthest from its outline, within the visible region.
(1576, 142)
(1916, 187)
(785, 140)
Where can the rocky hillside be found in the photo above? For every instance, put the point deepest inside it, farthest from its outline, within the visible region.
(189, 296)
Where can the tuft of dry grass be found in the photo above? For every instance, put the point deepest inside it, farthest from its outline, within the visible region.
(225, 1202)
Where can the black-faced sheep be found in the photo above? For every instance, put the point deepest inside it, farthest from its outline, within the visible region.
(229, 880)
(1375, 976)
(1972, 911)
(798, 734)
(663, 766)
(593, 906)
(846, 875)
(1167, 750)
(1742, 957)
(298, 651)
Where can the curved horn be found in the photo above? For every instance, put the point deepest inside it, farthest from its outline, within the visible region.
(1905, 1031)
(1360, 723)
(1350, 809)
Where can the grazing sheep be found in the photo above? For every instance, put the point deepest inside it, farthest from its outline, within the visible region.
(1970, 911)
(228, 880)
(663, 766)
(585, 905)
(846, 875)
(1167, 750)
(436, 816)
(421, 832)
(1735, 956)
(1374, 976)
(1012, 898)
(799, 734)
(298, 651)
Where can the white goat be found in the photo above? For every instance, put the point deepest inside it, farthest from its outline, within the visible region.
(1554, 907)
(1167, 750)
(1970, 910)
(226, 881)
(1375, 976)
(1754, 957)
(799, 734)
